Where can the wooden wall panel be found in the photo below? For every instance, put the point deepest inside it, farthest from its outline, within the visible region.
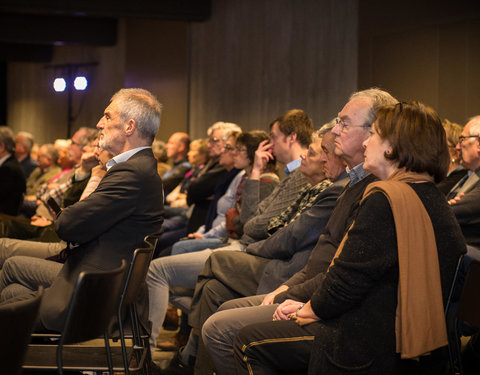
(253, 60)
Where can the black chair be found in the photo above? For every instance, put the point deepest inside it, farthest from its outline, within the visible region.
(16, 324)
(133, 283)
(93, 304)
(462, 311)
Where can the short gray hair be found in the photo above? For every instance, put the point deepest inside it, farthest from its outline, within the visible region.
(378, 98)
(51, 152)
(7, 138)
(27, 140)
(143, 107)
(229, 128)
(475, 128)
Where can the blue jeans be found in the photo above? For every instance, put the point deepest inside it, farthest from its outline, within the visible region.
(192, 245)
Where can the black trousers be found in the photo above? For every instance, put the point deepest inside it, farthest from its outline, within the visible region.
(277, 347)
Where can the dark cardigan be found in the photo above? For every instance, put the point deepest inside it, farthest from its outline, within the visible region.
(356, 300)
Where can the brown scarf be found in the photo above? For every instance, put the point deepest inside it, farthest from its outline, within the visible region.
(419, 322)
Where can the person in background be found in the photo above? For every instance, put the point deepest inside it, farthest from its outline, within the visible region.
(160, 152)
(23, 147)
(12, 179)
(464, 197)
(197, 157)
(455, 169)
(177, 149)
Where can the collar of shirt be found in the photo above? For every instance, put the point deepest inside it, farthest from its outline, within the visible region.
(124, 156)
(2, 160)
(356, 174)
(290, 167)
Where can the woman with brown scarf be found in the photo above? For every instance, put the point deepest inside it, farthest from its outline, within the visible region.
(379, 307)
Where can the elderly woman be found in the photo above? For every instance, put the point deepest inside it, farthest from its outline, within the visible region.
(379, 307)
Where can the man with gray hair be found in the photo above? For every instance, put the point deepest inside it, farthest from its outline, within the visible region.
(465, 195)
(23, 146)
(112, 221)
(12, 180)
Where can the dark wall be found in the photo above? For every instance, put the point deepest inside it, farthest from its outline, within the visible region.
(427, 51)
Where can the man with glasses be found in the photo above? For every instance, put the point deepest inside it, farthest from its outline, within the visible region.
(465, 195)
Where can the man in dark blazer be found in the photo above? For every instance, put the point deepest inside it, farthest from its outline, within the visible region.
(127, 205)
(12, 180)
(465, 195)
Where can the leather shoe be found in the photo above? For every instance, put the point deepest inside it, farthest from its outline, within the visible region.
(175, 343)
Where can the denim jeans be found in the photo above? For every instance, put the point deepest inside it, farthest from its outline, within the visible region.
(192, 245)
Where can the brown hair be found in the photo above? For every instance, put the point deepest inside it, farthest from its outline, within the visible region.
(418, 141)
(296, 121)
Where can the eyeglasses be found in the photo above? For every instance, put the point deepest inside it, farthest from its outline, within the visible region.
(229, 148)
(463, 137)
(241, 149)
(340, 122)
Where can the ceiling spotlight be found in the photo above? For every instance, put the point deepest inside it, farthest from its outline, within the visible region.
(80, 83)
(59, 85)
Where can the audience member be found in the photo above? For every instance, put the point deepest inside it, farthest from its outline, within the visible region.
(23, 147)
(197, 157)
(12, 179)
(352, 128)
(160, 152)
(455, 169)
(107, 226)
(464, 197)
(177, 149)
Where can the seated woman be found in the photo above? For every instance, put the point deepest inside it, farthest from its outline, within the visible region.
(243, 155)
(379, 307)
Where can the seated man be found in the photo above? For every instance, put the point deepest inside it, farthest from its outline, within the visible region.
(182, 270)
(348, 145)
(177, 149)
(23, 147)
(465, 195)
(107, 226)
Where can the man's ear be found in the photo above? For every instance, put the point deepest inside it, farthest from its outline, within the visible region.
(293, 137)
(129, 127)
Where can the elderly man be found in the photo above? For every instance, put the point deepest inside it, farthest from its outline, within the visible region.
(465, 195)
(23, 146)
(352, 128)
(12, 180)
(177, 149)
(107, 226)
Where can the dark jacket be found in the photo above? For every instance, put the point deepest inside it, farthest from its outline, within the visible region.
(12, 186)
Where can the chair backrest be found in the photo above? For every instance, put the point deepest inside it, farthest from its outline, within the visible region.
(469, 304)
(93, 304)
(151, 241)
(17, 320)
(136, 274)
